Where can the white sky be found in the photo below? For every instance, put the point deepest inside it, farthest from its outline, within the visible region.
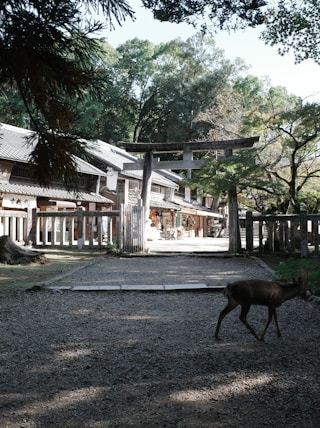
(300, 79)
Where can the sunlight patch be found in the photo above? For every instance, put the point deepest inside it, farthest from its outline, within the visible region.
(71, 354)
(62, 400)
(239, 386)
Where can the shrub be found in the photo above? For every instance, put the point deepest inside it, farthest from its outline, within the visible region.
(292, 268)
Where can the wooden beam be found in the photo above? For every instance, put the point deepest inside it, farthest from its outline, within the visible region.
(194, 146)
(179, 164)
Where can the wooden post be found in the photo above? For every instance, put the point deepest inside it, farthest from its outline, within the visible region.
(303, 234)
(260, 228)
(80, 228)
(146, 194)
(315, 236)
(187, 156)
(270, 227)
(234, 231)
(249, 231)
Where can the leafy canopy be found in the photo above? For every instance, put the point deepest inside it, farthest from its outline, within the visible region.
(47, 55)
(293, 25)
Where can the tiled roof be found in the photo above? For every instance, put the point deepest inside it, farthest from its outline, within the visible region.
(112, 155)
(163, 204)
(14, 146)
(115, 157)
(13, 143)
(55, 193)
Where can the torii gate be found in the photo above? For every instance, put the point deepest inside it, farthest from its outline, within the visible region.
(149, 164)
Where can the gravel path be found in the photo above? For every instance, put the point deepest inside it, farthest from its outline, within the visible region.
(131, 359)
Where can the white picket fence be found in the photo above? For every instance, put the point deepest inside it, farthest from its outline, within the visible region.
(14, 224)
(82, 229)
(76, 228)
(122, 228)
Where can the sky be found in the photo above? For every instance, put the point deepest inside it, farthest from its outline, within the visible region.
(299, 79)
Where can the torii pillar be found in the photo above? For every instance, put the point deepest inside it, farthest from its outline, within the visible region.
(187, 163)
(146, 193)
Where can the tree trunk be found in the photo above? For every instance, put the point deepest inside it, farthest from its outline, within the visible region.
(12, 254)
(234, 231)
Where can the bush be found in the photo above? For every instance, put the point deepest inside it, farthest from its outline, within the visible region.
(292, 268)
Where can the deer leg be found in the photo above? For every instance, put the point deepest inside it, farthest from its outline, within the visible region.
(243, 319)
(270, 315)
(276, 321)
(230, 306)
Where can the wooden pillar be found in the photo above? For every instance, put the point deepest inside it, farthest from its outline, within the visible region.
(249, 231)
(80, 228)
(187, 156)
(234, 231)
(146, 194)
(303, 233)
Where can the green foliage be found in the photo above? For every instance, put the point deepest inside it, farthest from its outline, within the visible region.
(310, 198)
(69, 83)
(295, 26)
(240, 170)
(292, 25)
(46, 55)
(281, 171)
(155, 92)
(297, 133)
(12, 108)
(222, 14)
(292, 268)
(112, 248)
(47, 155)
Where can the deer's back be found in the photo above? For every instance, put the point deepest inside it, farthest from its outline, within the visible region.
(255, 292)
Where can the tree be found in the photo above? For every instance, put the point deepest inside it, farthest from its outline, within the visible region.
(281, 171)
(221, 13)
(47, 55)
(195, 74)
(155, 92)
(135, 71)
(297, 135)
(58, 59)
(292, 24)
(12, 108)
(295, 26)
(188, 79)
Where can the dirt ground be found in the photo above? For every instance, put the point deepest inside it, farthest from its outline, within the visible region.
(142, 359)
(59, 261)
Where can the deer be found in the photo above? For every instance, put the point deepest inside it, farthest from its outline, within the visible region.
(259, 292)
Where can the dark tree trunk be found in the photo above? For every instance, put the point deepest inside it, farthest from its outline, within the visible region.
(12, 254)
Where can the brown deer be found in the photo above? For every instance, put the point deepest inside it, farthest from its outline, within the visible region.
(259, 292)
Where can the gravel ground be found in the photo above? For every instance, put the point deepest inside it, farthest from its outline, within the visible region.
(140, 359)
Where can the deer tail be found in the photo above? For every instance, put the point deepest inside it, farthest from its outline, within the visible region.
(227, 290)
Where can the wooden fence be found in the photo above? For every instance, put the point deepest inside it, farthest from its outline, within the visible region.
(295, 234)
(14, 224)
(76, 228)
(121, 228)
(132, 224)
(82, 229)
